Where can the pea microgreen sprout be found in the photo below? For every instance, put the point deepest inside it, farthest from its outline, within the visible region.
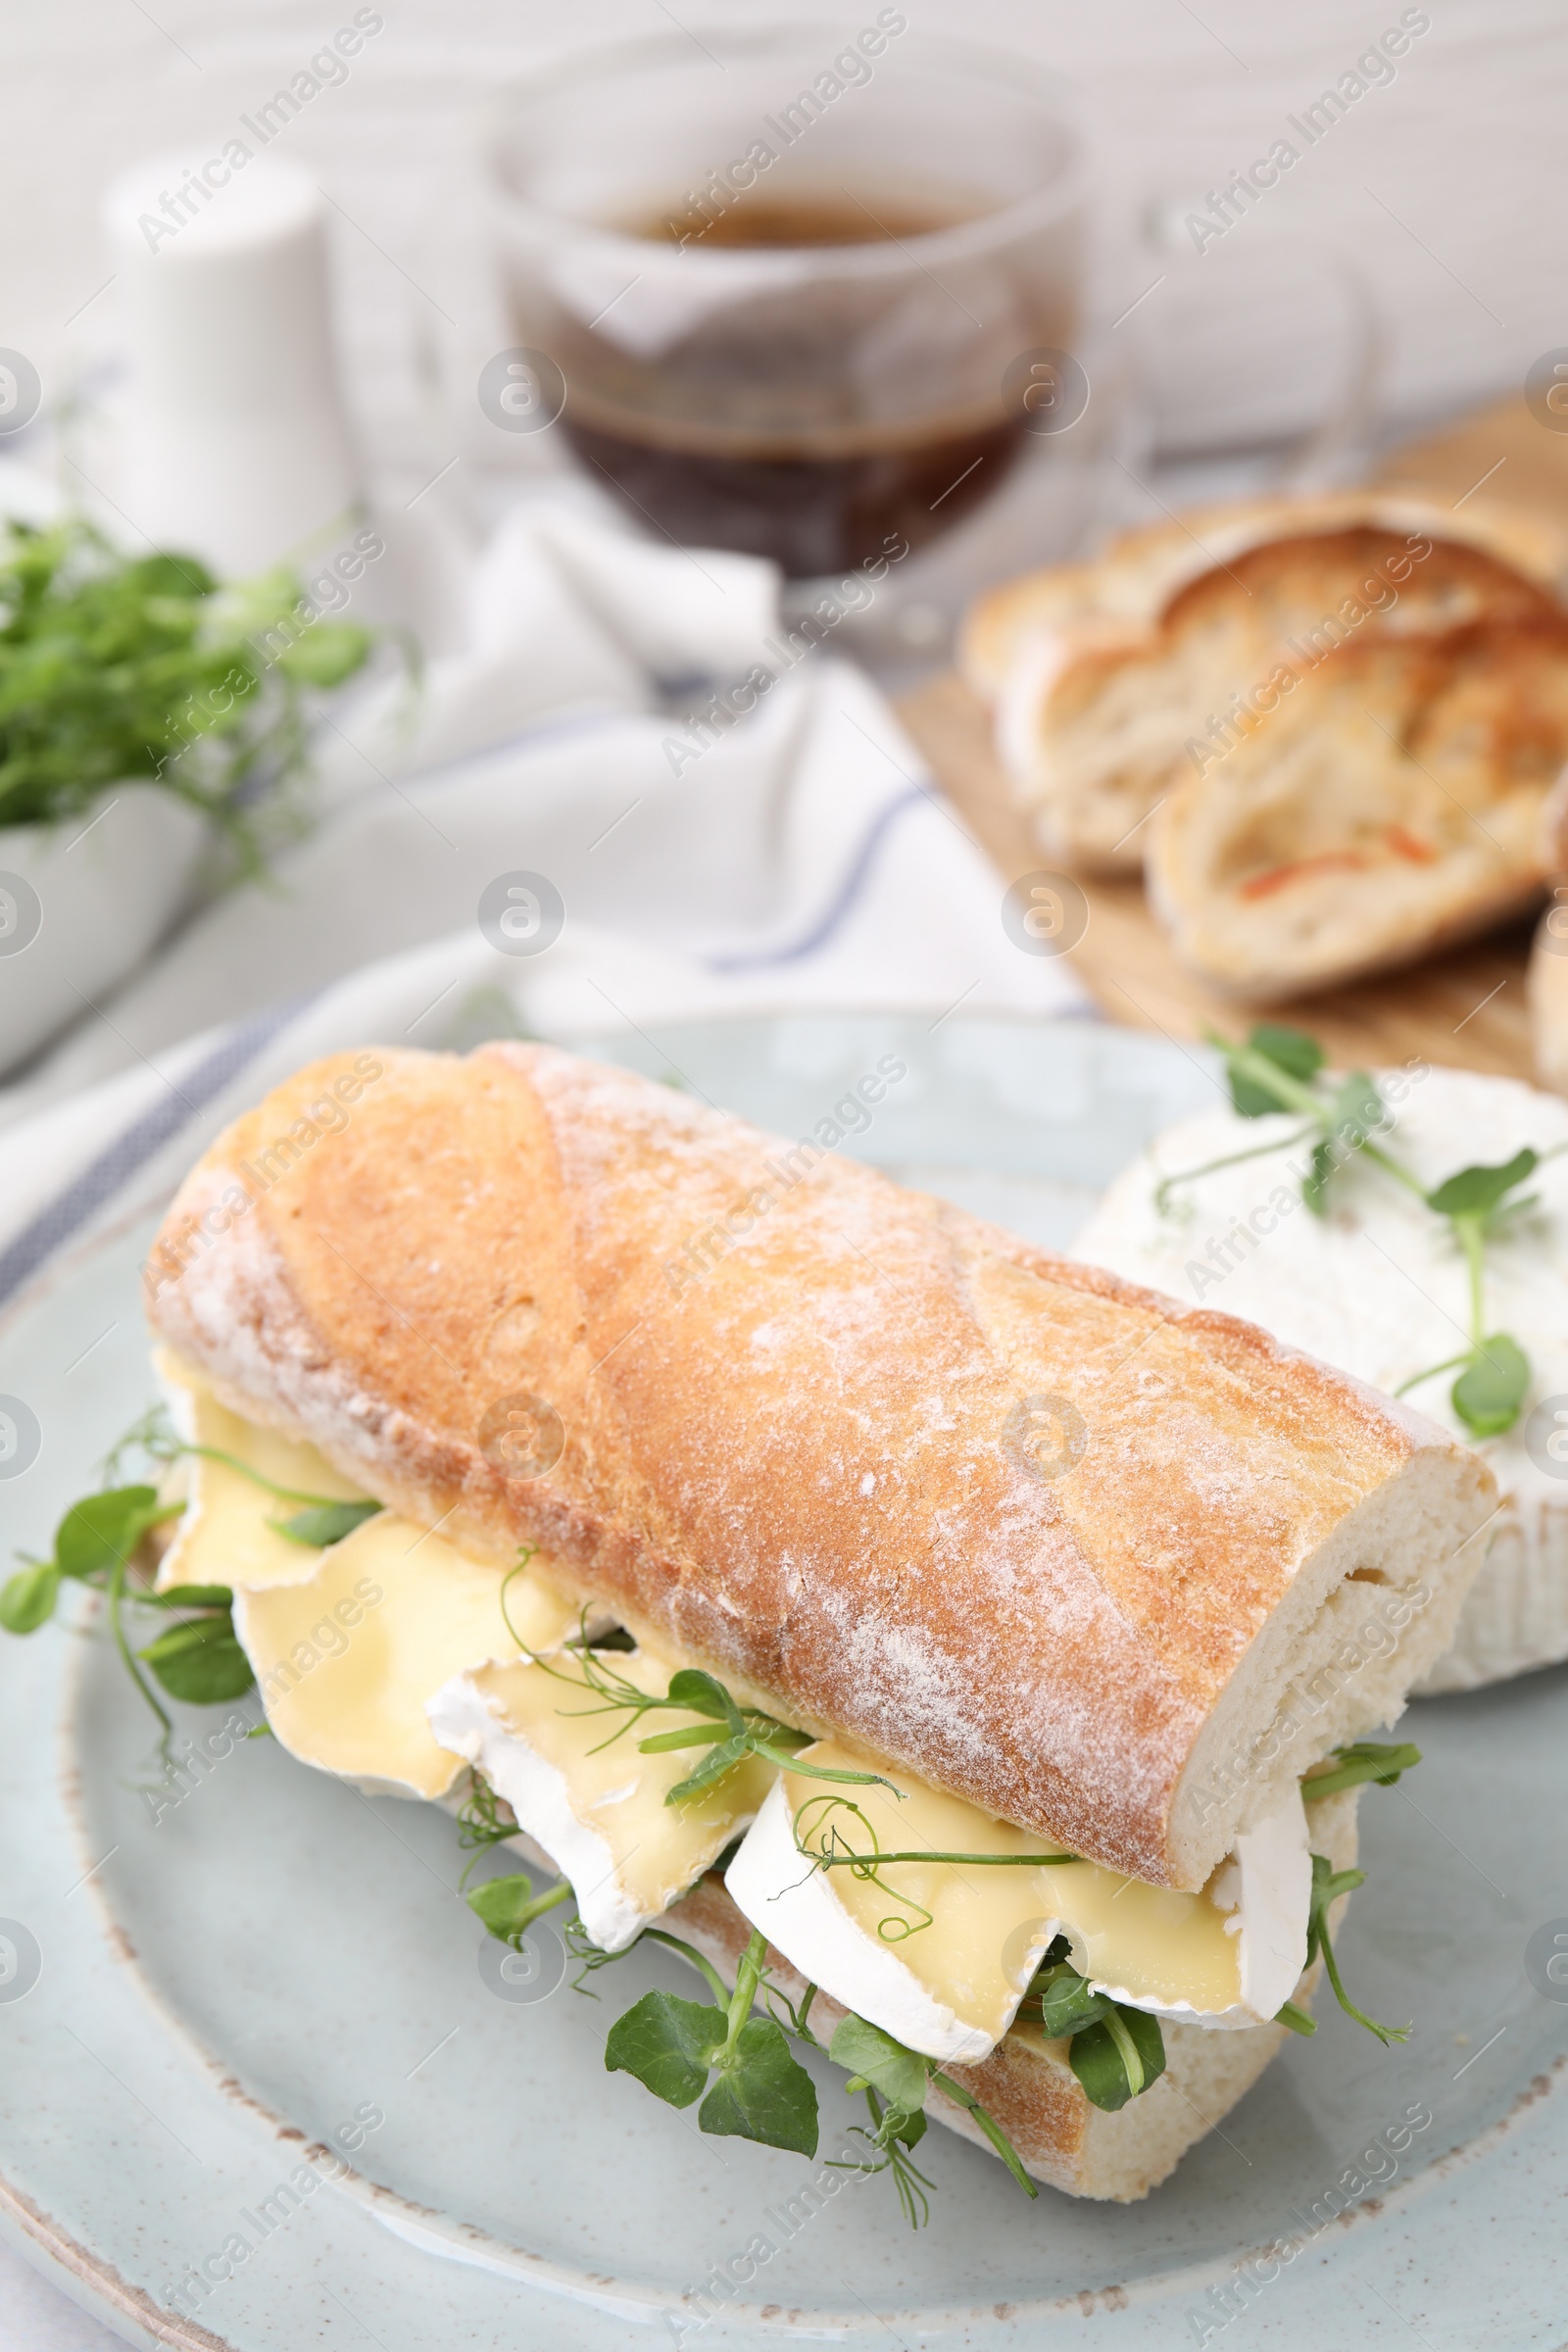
(1353, 1766)
(1277, 1070)
(1494, 1370)
(730, 1732)
(1328, 1885)
(116, 666)
(1116, 2051)
(510, 1906)
(819, 1839)
(740, 2067)
(480, 1823)
(1348, 1767)
(197, 1658)
(325, 1519)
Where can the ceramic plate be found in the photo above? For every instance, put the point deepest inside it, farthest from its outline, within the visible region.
(196, 1994)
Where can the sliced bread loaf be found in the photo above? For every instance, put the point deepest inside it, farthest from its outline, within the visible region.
(1114, 681)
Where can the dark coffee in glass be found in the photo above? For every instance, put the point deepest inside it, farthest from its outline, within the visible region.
(785, 330)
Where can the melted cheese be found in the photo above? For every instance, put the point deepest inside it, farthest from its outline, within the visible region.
(346, 1661)
(225, 1537)
(948, 1985)
(601, 1817)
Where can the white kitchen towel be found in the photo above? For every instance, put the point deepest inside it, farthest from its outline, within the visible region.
(794, 854)
(795, 857)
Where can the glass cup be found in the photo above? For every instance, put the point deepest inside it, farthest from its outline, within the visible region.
(798, 291)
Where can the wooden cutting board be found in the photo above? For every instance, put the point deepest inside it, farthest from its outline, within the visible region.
(1466, 1008)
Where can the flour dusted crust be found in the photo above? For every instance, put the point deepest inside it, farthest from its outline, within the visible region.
(808, 1467)
(1027, 2084)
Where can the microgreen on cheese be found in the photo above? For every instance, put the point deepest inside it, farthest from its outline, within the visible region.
(821, 1839)
(1278, 1070)
(730, 1732)
(323, 1523)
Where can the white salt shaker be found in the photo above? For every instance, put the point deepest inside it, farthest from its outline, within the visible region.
(233, 437)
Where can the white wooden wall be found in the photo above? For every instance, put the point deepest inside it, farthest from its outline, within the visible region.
(1450, 184)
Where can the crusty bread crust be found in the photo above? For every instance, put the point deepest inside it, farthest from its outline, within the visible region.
(1196, 698)
(1143, 571)
(809, 1467)
(1028, 2087)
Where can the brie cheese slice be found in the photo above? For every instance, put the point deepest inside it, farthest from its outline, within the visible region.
(599, 1811)
(346, 1660)
(939, 1954)
(225, 1536)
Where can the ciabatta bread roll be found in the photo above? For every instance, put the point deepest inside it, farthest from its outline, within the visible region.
(1389, 808)
(1113, 682)
(1053, 1544)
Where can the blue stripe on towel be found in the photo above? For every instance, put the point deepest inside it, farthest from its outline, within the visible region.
(114, 1166)
(839, 906)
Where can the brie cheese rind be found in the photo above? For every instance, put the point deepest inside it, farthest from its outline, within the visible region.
(346, 1662)
(602, 1817)
(1227, 1957)
(1379, 1289)
(225, 1536)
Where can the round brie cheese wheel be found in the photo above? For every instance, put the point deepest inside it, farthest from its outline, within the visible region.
(1379, 1287)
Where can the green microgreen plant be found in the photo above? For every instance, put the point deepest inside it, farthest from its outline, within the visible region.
(1281, 1071)
(509, 1907)
(1352, 1767)
(821, 1839)
(481, 1823)
(1363, 1760)
(321, 1524)
(730, 1734)
(1328, 1885)
(197, 1658)
(738, 2064)
(113, 667)
(1116, 2052)
(894, 2080)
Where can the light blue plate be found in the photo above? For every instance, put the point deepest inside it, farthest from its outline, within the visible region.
(277, 1956)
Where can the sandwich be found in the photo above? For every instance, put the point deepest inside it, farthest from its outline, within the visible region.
(905, 1625)
(1414, 1231)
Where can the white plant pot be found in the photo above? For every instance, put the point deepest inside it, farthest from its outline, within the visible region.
(82, 900)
